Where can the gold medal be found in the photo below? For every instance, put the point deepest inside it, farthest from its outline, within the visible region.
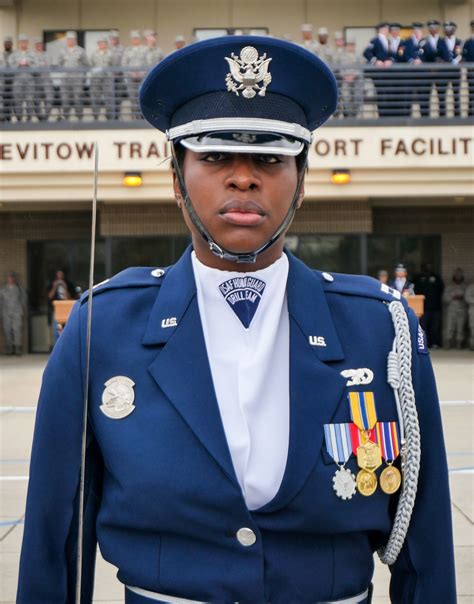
(366, 483)
(369, 456)
(390, 480)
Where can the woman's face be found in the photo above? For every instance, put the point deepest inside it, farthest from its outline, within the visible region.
(241, 199)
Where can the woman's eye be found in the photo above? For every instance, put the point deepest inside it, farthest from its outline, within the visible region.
(269, 159)
(215, 156)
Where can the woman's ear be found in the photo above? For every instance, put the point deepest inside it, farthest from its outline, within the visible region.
(300, 197)
(177, 190)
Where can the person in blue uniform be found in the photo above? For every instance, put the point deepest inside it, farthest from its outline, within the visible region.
(379, 55)
(450, 53)
(468, 57)
(409, 53)
(249, 418)
(429, 53)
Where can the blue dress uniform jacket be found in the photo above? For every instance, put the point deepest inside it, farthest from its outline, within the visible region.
(376, 51)
(408, 51)
(445, 54)
(428, 54)
(161, 493)
(468, 51)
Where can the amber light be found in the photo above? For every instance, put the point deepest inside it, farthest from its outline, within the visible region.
(341, 177)
(132, 179)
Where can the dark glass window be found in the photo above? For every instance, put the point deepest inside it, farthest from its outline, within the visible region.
(145, 251)
(386, 251)
(337, 253)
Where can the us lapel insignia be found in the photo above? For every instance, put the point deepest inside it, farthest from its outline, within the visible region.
(118, 397)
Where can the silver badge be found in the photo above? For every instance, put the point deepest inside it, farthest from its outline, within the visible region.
(247, 72)
(118, 397)
(344, 483)
(358, 377)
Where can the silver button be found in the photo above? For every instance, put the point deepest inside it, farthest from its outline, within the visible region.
(158, 272)
(246, 536)
(328, 277)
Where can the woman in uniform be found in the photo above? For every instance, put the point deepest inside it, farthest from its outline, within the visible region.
(256, 430)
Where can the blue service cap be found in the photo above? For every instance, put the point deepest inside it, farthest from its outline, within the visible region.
(210, 92)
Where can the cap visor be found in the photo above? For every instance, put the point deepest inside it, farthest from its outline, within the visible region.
(243, 142)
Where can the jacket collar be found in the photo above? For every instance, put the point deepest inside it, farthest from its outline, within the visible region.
(307, 305)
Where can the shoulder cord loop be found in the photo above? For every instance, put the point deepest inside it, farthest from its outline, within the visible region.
(400, 379)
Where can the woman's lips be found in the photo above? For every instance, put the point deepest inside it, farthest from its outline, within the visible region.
(243, 213)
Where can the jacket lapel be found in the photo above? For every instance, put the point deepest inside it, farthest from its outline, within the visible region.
(316, 389)
(181, 368)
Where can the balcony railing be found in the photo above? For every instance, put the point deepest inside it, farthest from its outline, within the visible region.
(106, 97)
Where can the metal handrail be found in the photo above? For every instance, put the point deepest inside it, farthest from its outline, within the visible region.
(107, 96)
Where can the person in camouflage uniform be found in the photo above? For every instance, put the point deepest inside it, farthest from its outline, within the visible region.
(101, 80)
(72, 84)
(469, 298)
(324, 50)
(6, 81)
(119, 88)
(23, 60)
(307, 38)
(43, 84)
(154, 54)
(348, 77)
(134, 56)
(453, 297)
(12, 308)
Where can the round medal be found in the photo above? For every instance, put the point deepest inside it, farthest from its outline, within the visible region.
(390, 480)
(366, 483)
(344, 483)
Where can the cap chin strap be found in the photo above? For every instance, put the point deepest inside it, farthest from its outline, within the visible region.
(219, 250)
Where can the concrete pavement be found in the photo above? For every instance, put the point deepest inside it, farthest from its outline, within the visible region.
(19, 385)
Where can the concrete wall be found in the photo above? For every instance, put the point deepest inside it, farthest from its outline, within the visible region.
(172, 17)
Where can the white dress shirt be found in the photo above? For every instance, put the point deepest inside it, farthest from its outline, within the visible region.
(250, 372)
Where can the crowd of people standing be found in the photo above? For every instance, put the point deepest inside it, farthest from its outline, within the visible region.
(404, 71)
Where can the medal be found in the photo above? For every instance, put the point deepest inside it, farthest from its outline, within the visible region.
(368, 456)
(364, 416)
(366, 483)
(387, 436)
(338, 445)
(390, 480)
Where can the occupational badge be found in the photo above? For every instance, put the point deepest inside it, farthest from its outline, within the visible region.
(248, 73)
(118, 397)
(388, 438)
(357, 377)
(338, 445)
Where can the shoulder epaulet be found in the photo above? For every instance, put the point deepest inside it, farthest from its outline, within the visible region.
(359, 285)
(137, 276)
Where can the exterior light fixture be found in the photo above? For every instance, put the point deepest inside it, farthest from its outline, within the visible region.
(132, 179)
(341, 177)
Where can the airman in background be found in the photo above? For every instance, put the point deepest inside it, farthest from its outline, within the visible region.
(72, 84)
(468, 57)
(179, 42)
(154, 54)
(101, 79)
(454, 298)
(43, 89)
(12, 309)
(119, 89)
(450, 52)
(307, 38)
(324, 49)
(469, 298)
(6, 81)
(134, 56)
(23, 82)
(348, 75)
